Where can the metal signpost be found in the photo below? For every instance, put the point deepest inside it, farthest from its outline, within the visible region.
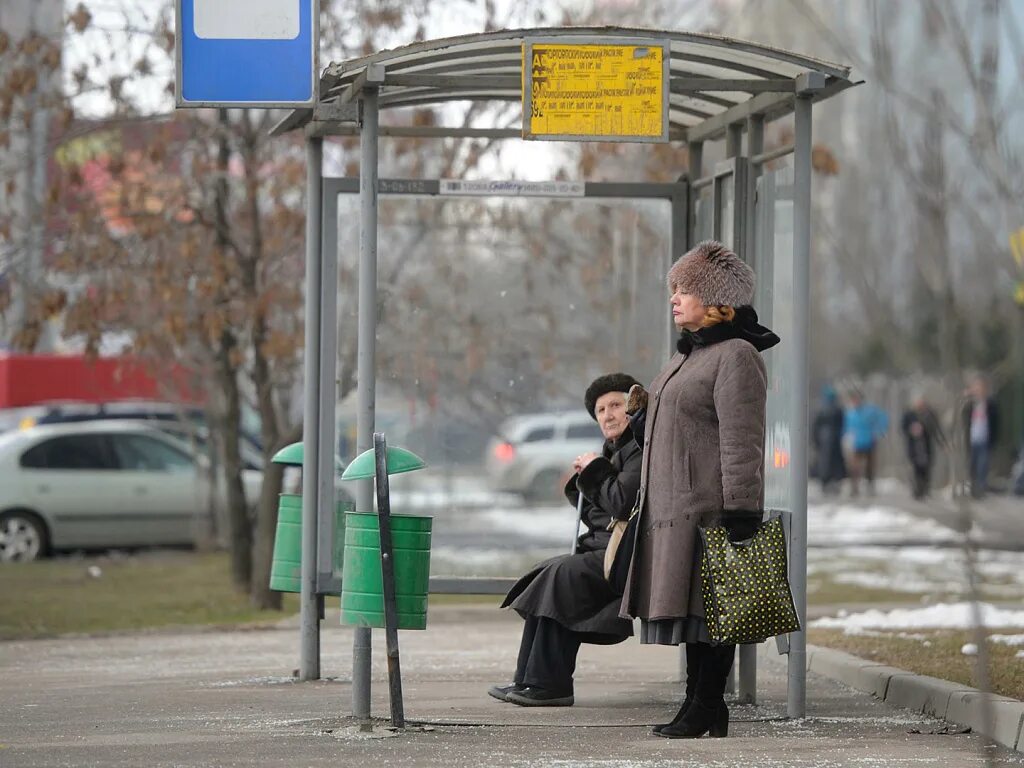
(264, 54)
(387, 570)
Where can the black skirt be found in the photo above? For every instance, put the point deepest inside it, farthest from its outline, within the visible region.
(572, 590)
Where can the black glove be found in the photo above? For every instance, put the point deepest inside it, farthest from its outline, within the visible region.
(637, 424)
(740, 524)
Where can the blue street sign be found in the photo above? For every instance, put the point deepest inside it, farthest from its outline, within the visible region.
(247, 53)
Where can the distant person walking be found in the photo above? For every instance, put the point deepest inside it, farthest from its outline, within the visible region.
(981, 426)
(922, 432)
(864, 424)
(827, 438)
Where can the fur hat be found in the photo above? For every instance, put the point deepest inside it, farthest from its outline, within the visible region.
(713, 274)
(602, 385)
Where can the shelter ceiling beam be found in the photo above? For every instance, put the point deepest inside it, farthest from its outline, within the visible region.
(715, 126)
(695, 85)
(450, 82)
(435, 131)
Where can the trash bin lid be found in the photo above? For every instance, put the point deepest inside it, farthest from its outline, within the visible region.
(293, 455)
(399, 460)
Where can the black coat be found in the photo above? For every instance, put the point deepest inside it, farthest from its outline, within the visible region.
(992, 410)
(571, 589)
(827, 436)
(921, 446)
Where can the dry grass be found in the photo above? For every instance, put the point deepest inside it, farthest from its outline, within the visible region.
(150, 590)
(155, 589)
(941, 658)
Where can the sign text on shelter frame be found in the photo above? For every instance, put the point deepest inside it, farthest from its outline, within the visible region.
(596, 91)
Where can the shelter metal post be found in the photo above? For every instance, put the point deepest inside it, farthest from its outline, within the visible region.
(755, 144)
(327, 582)
(695, 159)
(733, 139)
(366, 354)
(680, 200)
(309, 614)
(797, 699)
(755, 138)
(733, 142)
(747, 674)
(326, 439)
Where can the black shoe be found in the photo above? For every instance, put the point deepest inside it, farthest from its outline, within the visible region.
(501, 692)
(540, 697)
(698, 720)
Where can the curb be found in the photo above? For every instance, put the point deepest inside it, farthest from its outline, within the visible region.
(954, 702)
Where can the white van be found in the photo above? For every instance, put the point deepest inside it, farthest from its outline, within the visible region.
(533, 454)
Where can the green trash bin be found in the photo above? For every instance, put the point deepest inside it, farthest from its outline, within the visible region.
(362, 591)
(286, 568)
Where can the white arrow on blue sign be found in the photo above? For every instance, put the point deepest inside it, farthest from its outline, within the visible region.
(247, 53)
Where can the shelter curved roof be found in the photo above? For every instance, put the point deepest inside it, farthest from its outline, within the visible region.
(713, 80)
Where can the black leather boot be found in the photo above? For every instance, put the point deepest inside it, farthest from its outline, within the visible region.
(707, 712)
(693, 656)
(698, 720)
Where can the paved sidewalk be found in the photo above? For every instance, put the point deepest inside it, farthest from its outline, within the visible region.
(227, 699)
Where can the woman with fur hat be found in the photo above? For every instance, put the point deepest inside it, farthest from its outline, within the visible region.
(702, 465)
(566, 601)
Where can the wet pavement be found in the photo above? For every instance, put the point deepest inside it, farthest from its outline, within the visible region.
(227, 698)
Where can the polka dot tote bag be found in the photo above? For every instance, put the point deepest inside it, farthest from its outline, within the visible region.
(746, 590)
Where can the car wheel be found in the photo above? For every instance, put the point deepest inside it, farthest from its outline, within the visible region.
(546, 486)
(22, 537)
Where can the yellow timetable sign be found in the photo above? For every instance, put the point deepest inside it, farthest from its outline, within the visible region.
(602, 92)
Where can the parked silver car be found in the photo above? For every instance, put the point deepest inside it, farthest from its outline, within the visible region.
(99, 484)
(533, 454)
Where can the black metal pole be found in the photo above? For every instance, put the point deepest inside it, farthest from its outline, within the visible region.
(387, 571)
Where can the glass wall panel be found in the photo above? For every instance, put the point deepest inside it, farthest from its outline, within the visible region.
(774, 267)
(495, 314)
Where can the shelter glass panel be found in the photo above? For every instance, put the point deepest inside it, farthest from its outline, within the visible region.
(495, 315)
(774, 266)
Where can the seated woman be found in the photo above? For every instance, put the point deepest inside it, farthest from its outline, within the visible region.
(566, 601)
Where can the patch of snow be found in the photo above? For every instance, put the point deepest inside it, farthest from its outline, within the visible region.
(1007, 639)
(252, 681)
(833, 523)
(539, 523)
(938, 616)
(969, 649)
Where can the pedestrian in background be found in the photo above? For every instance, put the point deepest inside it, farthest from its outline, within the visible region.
(702, 466)
(864, 424)
(922, 434)
(981, 425)
(827, 438)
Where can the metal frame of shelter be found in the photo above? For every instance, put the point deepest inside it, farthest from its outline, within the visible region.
(717, 88)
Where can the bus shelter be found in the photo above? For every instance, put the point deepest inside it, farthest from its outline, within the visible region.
(686, 88)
